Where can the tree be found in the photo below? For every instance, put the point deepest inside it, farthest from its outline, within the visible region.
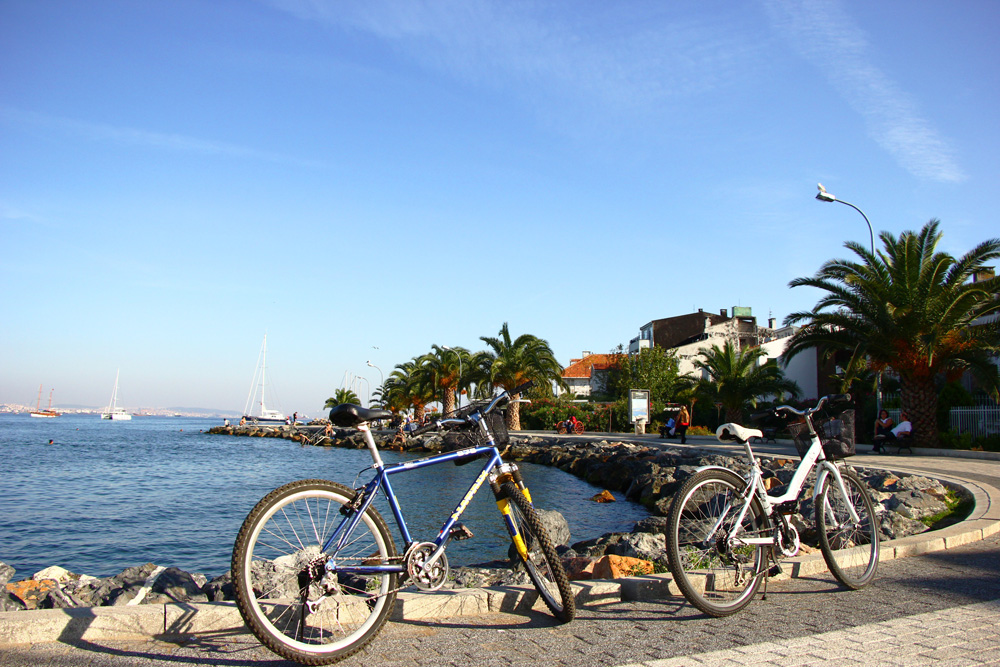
(442, 369)
(342, 396)
(655, 369)
(509, 363)
(910, 308)
(411, 388)
(736, 378)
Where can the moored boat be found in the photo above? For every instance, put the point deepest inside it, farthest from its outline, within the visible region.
(48, 413)
(255, 411)
(113, 412)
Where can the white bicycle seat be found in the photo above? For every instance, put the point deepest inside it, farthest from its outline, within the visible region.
(729, 432)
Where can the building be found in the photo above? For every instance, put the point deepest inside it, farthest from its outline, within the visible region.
(588, 374)
(689, 336)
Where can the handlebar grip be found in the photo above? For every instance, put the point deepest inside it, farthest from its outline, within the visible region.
(424, 429)
(520, 389)
(839, 398)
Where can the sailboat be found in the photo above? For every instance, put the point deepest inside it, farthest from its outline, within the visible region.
(47, 413)
(264, 415)
(113, 411)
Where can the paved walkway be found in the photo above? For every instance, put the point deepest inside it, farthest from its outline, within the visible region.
(939, 608)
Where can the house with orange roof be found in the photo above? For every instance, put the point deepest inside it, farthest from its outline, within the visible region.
(588, 374)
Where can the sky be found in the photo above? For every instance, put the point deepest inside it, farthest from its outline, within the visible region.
(362, 180)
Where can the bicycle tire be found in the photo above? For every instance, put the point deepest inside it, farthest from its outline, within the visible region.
(716, 579)
(851, 551)
(279, 538)
(542, 563)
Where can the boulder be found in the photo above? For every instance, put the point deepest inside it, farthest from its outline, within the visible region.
(555, 525)
(579, 568)
(616, 567)
(30, 591)
(220, 589)
(642, 546)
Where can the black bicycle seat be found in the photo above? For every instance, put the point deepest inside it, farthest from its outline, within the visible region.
(348, 414)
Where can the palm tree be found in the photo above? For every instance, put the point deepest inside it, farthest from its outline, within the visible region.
(412, 387)
(342, 396)
(509, 363)
(442, 370)
(909, 308)
(736, 378)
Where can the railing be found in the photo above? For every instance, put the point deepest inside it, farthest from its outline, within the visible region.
(979, 421)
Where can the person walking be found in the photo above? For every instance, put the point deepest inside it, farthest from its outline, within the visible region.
(683, 421)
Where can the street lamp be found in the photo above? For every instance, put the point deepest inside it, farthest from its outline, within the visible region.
(380, 376)
(823, 195)
(459, 355)
(826, 196)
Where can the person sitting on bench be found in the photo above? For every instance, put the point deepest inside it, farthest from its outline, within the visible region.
(898, 433)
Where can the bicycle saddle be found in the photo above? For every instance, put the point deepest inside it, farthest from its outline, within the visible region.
(348, 414)
(730, 432)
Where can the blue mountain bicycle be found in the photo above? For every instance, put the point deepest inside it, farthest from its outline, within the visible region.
(316, 570)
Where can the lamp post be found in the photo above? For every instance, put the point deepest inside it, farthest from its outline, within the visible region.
(458, 403)
(358, 385)
(823, 195)
(380, 376)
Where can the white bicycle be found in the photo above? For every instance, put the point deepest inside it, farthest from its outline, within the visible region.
(724, 530)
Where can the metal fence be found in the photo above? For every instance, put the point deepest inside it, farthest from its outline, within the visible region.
(979, 421)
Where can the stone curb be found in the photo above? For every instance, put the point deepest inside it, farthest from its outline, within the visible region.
(172, 622)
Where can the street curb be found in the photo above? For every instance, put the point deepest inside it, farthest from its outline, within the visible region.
(182, 621)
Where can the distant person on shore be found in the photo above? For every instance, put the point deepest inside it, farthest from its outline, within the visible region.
(901, 431)
(295, 417)
(51, 441)
(243, 421)
(225, 422)
(683, 421)
(668, 429)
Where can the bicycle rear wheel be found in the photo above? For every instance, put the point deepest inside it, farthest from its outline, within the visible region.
(540, 558)
(850, 549)
(295, 605)
(716, 573)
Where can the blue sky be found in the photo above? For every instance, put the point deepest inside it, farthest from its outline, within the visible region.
(361, 180)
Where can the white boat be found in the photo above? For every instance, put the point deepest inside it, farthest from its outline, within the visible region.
(113, 411)
(44, 414)
(255, 411)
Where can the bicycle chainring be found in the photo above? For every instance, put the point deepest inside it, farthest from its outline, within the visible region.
(426, 579)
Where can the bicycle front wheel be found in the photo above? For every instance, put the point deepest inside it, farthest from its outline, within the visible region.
(714, 569)
(290, 597)
(849, 548)
(539, 556)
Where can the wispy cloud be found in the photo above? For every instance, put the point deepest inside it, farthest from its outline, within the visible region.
(823, 33)
(611, 57)
(129, 136)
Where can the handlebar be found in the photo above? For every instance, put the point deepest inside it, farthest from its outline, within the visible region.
(455, 421)
(776, 411)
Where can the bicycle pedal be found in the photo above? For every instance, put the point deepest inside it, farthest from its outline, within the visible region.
(459, 532)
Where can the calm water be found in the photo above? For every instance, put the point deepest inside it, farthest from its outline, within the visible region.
(110, 495)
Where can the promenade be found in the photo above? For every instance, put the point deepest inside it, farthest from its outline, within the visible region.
(936, 601)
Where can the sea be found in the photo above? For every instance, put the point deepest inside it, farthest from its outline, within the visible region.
(107, 495)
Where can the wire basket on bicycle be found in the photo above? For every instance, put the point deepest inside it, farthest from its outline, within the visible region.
(836, 432)
(472, 436)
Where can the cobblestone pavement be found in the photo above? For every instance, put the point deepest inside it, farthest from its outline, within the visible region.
(941, 608)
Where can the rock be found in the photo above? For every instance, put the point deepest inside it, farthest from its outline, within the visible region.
(642, 546)
(30, 591)
(651, 524)
(555, 525)
(60, 574)
(6, 572)
(616, 567)
(604, 497)
(174, 585)
(220, 589)
(579, 568)
(914, 504)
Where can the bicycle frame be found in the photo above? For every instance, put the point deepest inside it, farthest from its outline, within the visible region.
(814, 457)
(494, 468)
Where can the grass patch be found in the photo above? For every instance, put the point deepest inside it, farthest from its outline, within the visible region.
(958, 509)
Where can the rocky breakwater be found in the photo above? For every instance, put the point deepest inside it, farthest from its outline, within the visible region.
(651, 475)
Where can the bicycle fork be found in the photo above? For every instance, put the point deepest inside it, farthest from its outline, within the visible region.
(508, 472)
